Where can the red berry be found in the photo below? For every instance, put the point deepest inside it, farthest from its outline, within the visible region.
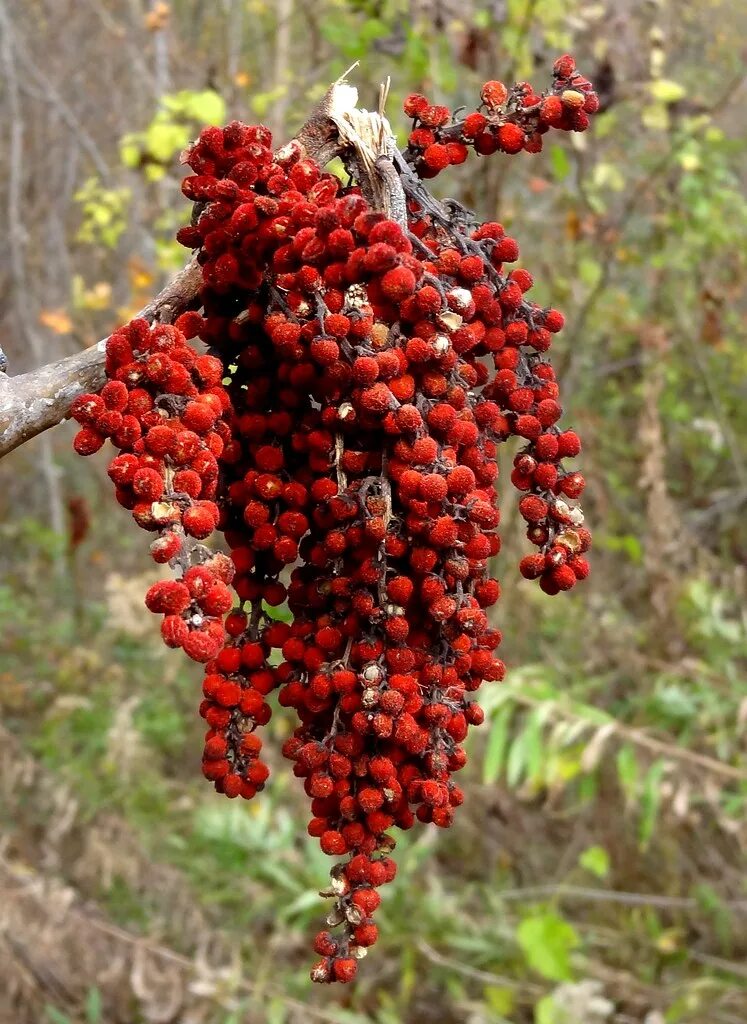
(493, 93)
(510, 138)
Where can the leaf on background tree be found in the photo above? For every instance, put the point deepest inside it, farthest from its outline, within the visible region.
(560, 162)
(157, 18)
(664, 90)
(627, 772)
(57, 320)
(206, 106)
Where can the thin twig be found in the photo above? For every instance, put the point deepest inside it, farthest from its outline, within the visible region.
(485, 977)
(642, 739)
(628, 899)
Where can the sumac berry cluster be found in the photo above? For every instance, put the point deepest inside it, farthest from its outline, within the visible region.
(342, 434)
(164, 408)
(507, 120)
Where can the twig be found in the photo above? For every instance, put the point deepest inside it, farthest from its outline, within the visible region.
(486, 977)
(66, 114)
(628, 899)
(642, 739)
(718, 963)
(18, 236)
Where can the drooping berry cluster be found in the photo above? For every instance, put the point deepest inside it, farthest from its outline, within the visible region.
(342, 434)
(507, 121)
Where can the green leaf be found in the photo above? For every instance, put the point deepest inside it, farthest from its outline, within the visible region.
(675, 702)
(627, 771)
(55, 1017)
(596, 860)
(280, 613)
(547, 942)
(495, 749)
(607, 176)
(626, 543)
(500, 1000)
(546, 1011)
(650, 802)
(129, 150)
(559, 162)
(154, 172)
(165, 138)
(589, 271)
(263, 101)
(516, 759)
(534, 746)
(277, 1012)
(93, 1006)
(206, 107)
(655, 117)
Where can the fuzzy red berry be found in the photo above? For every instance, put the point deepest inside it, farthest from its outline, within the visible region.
(493, 94)
(510, 138)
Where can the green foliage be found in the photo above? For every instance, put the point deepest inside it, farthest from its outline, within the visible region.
(596, 860)
(547, 941)
(55, 1016)
(93, 1007)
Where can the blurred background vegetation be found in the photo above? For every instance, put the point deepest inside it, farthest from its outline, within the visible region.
(597, 870)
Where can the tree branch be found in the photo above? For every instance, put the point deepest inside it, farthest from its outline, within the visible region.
(32, 402)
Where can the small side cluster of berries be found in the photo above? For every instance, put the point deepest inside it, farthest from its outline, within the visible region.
(507, 120)
(342, 435)
(164, 408)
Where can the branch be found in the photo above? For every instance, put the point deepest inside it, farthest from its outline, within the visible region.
(32, 402)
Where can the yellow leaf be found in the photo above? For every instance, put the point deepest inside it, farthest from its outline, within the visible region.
(242, 79)
(655, 117)
(56, 320)
(158, 17)
(140, 276)
(664, 90)
(98, 296)
(670, 940)
(125, 313)
(689, 161)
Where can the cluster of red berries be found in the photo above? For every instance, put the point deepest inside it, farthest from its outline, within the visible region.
(342, 434)
(507, 121)
(164, 408)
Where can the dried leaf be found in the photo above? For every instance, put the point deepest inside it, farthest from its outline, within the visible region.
(593, 752)
(56, 320)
